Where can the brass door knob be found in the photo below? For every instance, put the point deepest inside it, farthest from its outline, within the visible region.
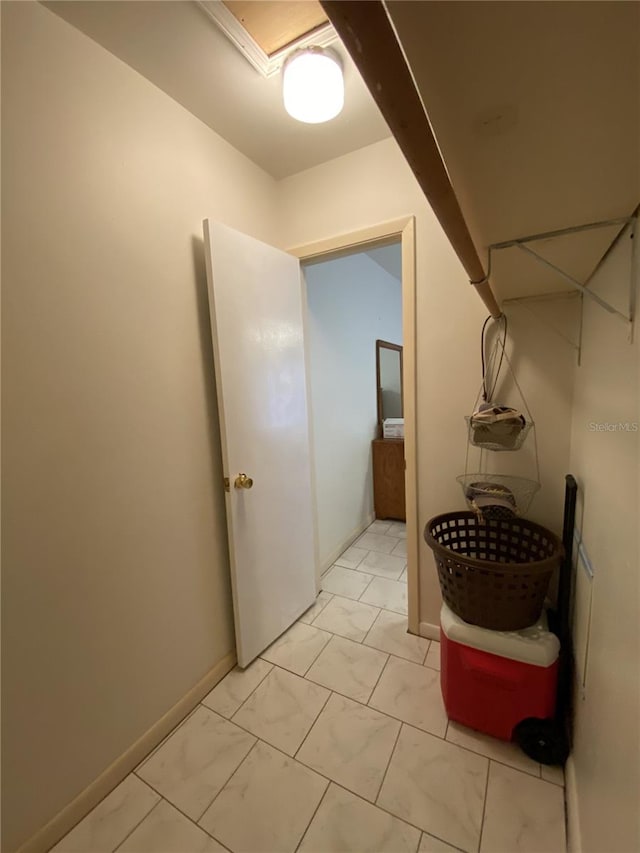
(243, 482)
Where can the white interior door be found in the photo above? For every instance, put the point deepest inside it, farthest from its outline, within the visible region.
(255, 303)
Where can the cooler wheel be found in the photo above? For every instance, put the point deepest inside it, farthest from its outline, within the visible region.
(542, 740)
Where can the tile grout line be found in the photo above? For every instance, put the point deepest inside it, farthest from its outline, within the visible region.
(312, 726)
(224, 846)
(328, 779)
(400, 720)
(315, 812)
(389, 581)
(383, 809)
(293, 671)
(369, 552)
(549, 781)
(359, 599)
(373, 689)
(159, 803)
(331, 597)
(290, 758)
(386, 769)
(377, 648)
(176, 807)
(426, 654)
(359, 702)
(229, 778)
(372, 627)
(350, 568)
(482, 754)
(366, 587)
(331, 636)
(484, 806)
(334, 690)
(286, 755)
(288, 671)
(362, 559)
(386, 713)
(102, 799)
(350, 597)
(335, 633)
(141, 764)
(439, 838)
(431, 642)
(197, 820)
(179, 725)
(324, 606)
(452, 743)
(394, 655)
(230, 719)
(331, 781)
(369, 571)
(304, 676)
(133, 829)
(268, 743)
(191, 820)
(360, 797)
(224, 785)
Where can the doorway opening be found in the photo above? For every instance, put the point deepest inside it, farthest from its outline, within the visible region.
(359, 298)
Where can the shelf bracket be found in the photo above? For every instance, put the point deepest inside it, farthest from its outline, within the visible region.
(581, 287)
(574, 281)
(527, 301)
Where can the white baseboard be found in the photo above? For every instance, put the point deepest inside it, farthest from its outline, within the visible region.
(326, 564)
(574, 842)
(430, 631)
(72, 814)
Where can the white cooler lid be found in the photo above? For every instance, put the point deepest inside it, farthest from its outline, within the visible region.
(535, 645)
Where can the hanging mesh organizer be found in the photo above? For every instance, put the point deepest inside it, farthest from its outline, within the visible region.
(497, 495)
(498, 428)
(494, 566)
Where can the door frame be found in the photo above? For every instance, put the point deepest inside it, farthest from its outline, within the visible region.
(403, 231)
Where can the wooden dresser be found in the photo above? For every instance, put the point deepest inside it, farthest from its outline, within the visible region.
(388, 478)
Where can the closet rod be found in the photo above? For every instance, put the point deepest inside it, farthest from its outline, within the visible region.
(368, 35)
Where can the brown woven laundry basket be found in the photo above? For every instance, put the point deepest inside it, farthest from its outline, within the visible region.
(493, 573)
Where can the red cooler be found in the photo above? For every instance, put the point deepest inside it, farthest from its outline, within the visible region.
(492, 680)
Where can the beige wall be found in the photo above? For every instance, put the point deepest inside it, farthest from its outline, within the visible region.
(544, 362)
(606, 464)
(115, 585)
(374, 185)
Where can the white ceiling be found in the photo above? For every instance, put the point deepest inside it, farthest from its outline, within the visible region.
(180, 49)
(535, 105)
(536, 108)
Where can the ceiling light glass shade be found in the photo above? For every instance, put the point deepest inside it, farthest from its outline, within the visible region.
(313, 85)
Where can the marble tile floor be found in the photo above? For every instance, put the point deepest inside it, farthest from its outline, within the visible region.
(334, 741)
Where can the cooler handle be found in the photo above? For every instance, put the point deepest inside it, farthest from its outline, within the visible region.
(493, 668)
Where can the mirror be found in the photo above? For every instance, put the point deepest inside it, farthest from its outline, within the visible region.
(389, 381)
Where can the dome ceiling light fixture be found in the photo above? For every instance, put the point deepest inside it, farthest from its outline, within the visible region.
(313, 85)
